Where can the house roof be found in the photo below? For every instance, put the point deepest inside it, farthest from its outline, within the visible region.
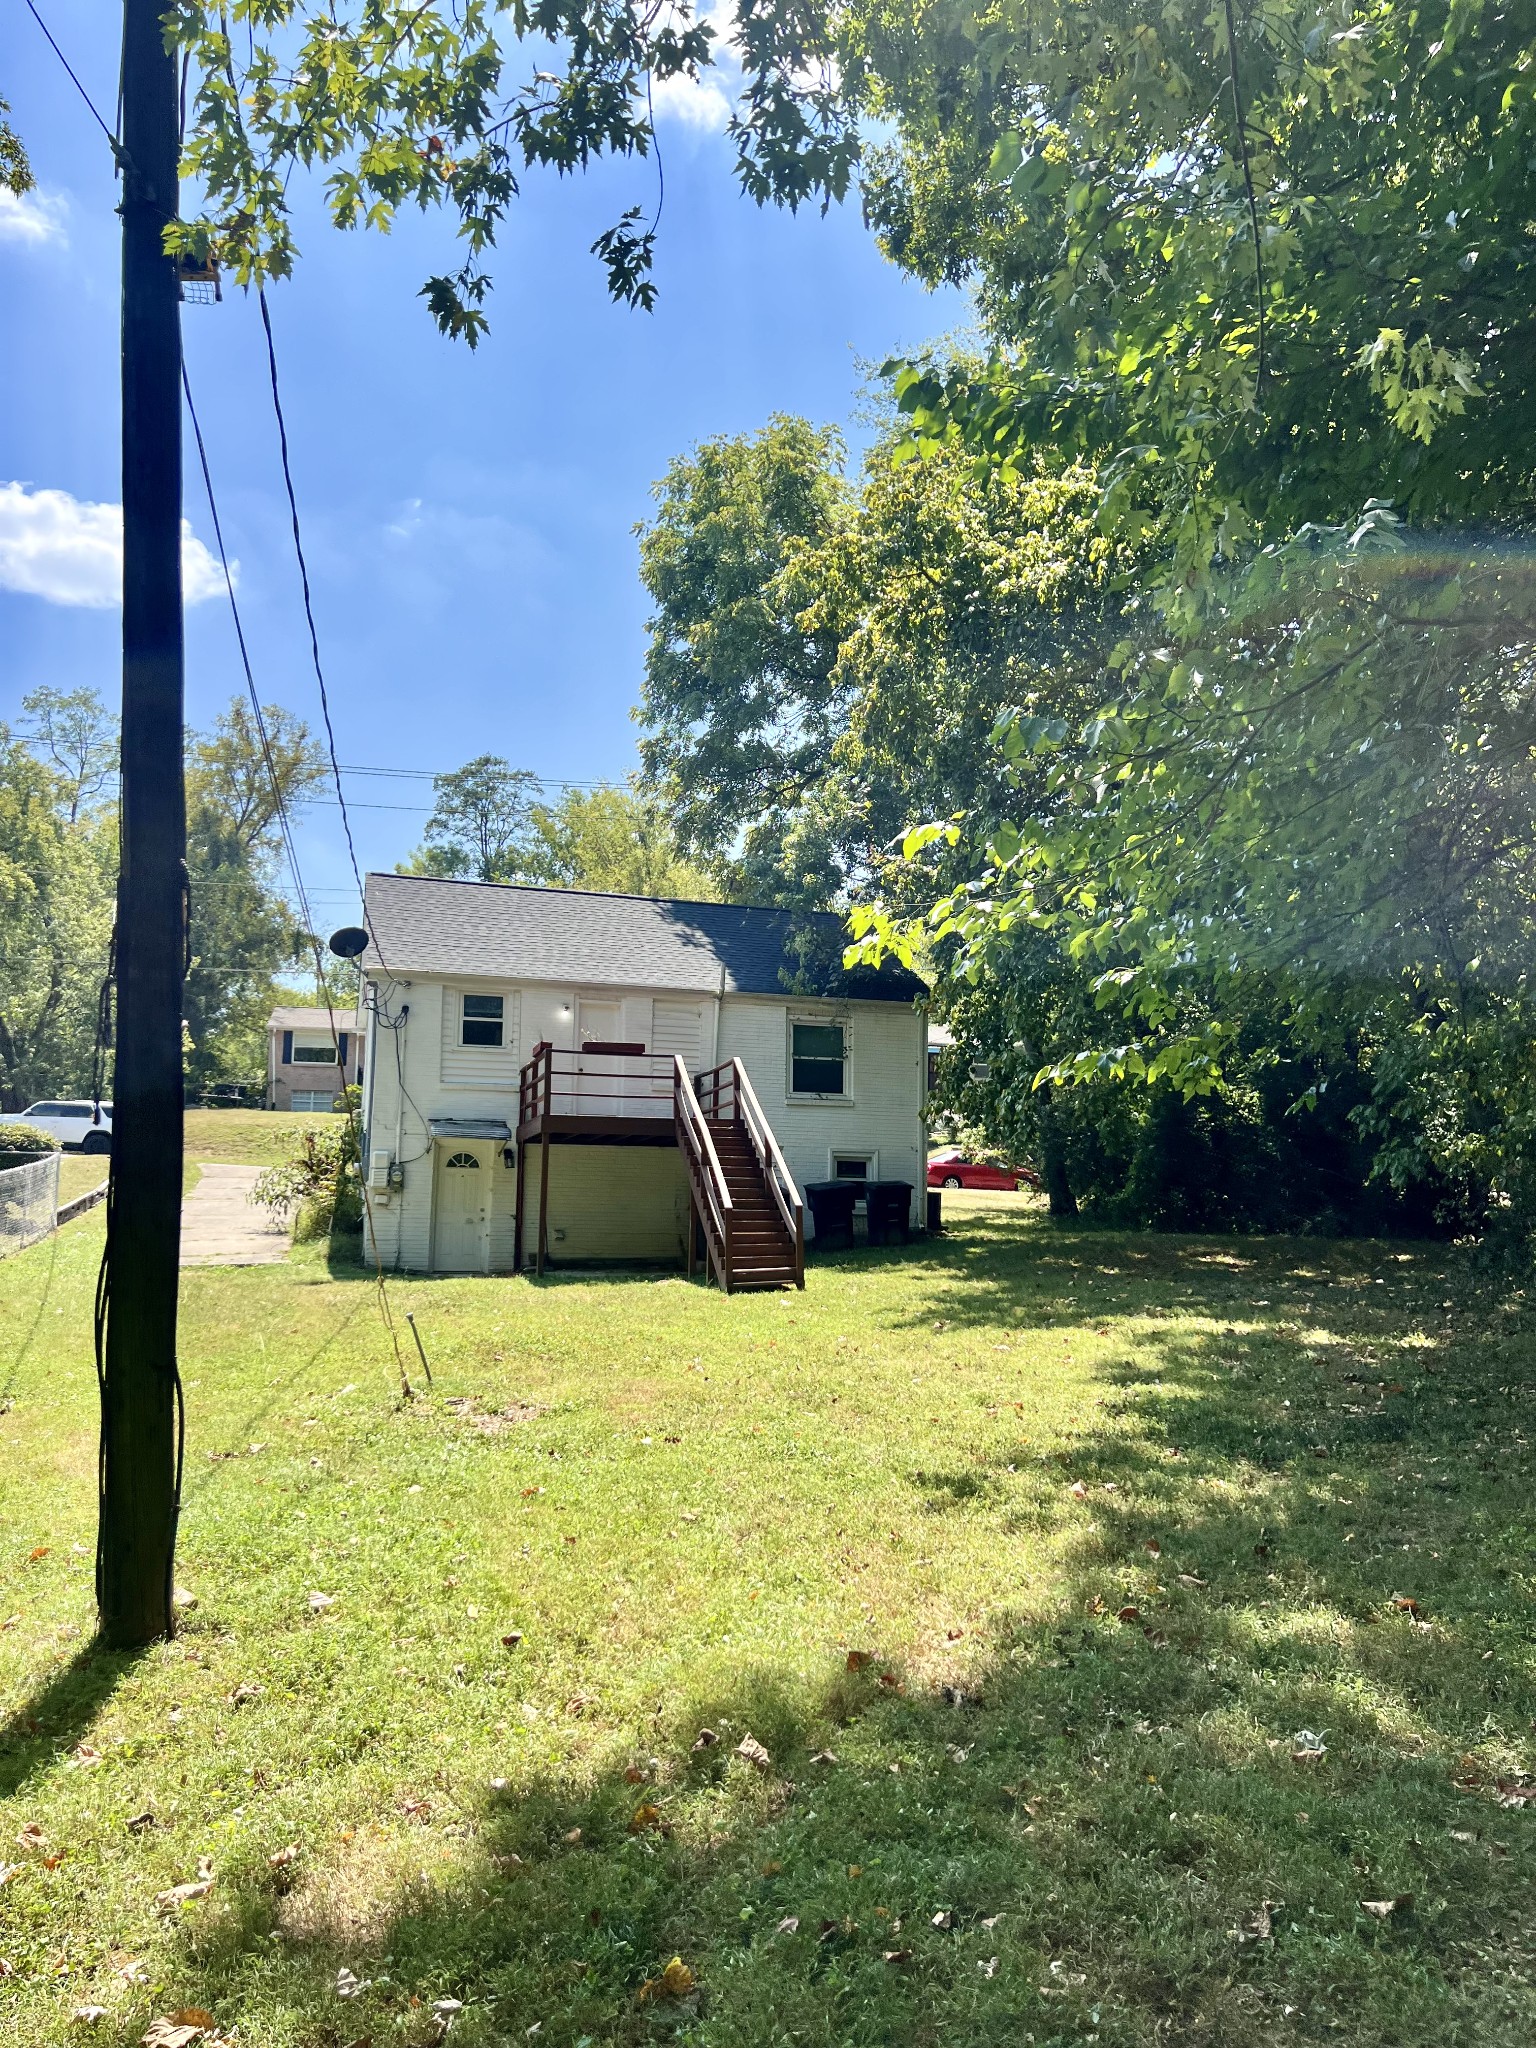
(286, 1017)
(422, 925)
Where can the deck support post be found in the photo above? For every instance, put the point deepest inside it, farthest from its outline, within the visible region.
(544, 1200)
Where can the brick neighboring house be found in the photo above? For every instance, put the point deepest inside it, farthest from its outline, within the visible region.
(303, 1055)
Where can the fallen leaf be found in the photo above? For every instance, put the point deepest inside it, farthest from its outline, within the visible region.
(511, 1639)
(953, 1635)
(891, 1682)
(1129, 1615)
(171, 2033)
(573, 1834)
(1259, 1925)
(896, 1956)
(34, 1555)
(1383, 1909)
(318, 1602)
(991, 1922)
(823, 1756)
(647, 1816)
(85, 1756)
(281, 1858)
(633, 1775)
(88, 2015)
(675, 1981)
(987, 1968)
(416, 1809)
(183, 1599)
(348, 1986)
(1192, 1579)
(1077, 1490)
(705, 1739)
(790, 1924)
(944, 1918)
(753, 1752)
(244, 1693)
(31, 1836)
(1404, 1604)
(444, 2009)
(859, 1660)
(1512, 1792)
(1152, 1547)
(183, 1894)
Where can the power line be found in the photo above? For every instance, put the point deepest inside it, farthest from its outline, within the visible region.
(112, 140)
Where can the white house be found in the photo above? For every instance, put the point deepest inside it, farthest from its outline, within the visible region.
(307, 1054)
(557, 1076)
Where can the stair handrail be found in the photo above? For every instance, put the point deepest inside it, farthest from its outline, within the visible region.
(781, 1182)
(705, 1170)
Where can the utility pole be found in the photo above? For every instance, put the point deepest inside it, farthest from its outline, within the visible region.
(136, 1543)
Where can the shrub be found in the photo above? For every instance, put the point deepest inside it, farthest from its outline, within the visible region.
(318, 1186)
(27, 1138)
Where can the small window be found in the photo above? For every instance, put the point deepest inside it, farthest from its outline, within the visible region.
(850, 1166)
(311, 1099)
(480, 1021)
(817, 1059)
(314, 1056)
(464, 1158)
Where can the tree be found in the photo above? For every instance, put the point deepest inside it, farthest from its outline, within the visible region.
(15, 170)
(56, 895)
(405, 104)
(616, 841)
(243, 927)
(481, 825)
(739, 700)
(1260, 265)
(77, 734)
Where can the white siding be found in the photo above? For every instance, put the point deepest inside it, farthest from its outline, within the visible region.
(480, 1066)
(609, 1202)
(886, 1050)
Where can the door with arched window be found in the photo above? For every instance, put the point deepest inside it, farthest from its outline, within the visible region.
(461, 1210)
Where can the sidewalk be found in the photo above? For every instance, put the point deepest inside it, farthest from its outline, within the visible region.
(219, 1226)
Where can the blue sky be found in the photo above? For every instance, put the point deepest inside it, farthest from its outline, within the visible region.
(468, 516)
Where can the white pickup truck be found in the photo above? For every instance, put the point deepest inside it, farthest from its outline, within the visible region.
(72, 1123)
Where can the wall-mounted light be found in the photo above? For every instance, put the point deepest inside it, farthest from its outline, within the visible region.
(509, 1155)
(565, 1009)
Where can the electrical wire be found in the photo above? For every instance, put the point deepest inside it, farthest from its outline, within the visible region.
(96, 116)
(322, 982)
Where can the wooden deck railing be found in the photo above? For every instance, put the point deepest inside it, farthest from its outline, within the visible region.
(593, 1081)
(711, 1197)
(726, 1095)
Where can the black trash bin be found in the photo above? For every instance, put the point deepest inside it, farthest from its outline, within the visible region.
(935, 1211)
(888, 1209)
(832, 1211)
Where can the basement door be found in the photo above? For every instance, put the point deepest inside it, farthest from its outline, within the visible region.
(461, 1209)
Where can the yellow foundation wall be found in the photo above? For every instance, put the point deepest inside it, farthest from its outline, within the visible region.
(608, 1202)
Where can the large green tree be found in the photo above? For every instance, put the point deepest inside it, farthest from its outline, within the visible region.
(403, 104)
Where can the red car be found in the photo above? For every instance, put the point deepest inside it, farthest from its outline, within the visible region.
(952, 1169)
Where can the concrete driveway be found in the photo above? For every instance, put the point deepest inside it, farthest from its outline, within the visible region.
(220, 1227)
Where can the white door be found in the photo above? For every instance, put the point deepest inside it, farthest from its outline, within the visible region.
(462, 1212)
(603, 1092)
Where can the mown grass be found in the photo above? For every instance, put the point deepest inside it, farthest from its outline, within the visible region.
(1025, 1819)
(247, 1137)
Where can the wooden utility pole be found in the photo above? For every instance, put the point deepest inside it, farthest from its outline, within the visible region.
(139, 1422)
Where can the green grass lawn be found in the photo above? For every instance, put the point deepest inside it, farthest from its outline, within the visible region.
(79, 1172)
(247, 1137)
(1111, 1527)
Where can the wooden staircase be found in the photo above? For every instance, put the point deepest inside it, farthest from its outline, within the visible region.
(744, 1199)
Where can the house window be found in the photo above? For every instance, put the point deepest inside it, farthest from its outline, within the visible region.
(311, 1099)
(852, 1166)
(314, 1055)
(480, 1022)
(818, 1059)
(465, 1158)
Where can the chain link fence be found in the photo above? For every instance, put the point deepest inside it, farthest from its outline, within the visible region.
(29, 1202)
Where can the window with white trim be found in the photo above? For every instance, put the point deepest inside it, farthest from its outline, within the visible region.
(853, 1166)
(818, 1056)
(313, 1049)
(312, 1099)
(481, 1020)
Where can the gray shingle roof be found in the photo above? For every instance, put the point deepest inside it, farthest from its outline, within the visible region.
(421, 925)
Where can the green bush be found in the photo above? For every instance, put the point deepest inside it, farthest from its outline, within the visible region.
(26, 1138)
(319, 1186)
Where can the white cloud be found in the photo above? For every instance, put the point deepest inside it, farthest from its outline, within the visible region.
(693, 102)
(67, 551)
(32, 218)
(705, 102)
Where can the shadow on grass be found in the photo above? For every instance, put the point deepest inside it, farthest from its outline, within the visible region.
(53, 1720)
(1144, 1807)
